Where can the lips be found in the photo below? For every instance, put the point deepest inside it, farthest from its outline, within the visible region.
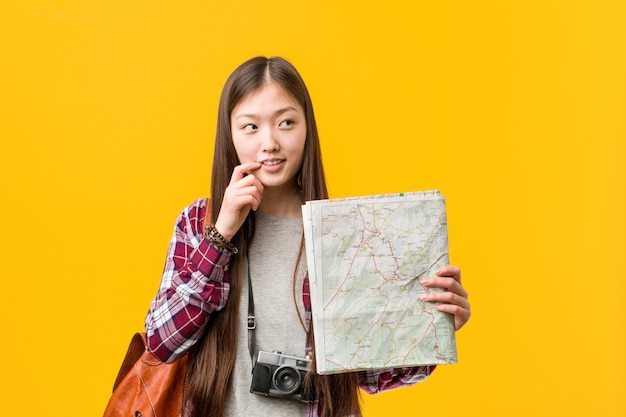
(272, 162)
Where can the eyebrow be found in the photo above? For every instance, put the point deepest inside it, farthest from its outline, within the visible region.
(276, 113)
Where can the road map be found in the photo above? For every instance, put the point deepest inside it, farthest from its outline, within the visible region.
(366, 257)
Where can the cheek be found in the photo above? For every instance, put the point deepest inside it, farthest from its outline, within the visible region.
(298, 157)
(298, 143)
(243, 150)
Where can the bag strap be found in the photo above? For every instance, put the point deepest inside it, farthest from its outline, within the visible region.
(136, 348)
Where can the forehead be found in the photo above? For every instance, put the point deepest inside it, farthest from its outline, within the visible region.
(268, 96)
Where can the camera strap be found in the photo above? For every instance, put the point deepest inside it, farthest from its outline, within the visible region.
(251, 319)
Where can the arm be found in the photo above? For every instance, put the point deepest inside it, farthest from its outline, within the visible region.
(195, 281)
(195, 284)
(374, 382)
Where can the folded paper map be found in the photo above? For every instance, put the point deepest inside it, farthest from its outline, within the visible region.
(366, 257)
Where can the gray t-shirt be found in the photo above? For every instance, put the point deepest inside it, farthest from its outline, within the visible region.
(272, 256)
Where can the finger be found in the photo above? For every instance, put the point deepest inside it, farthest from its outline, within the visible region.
(249, 196)
(248, 185)
(461, 315)
(446, 297)
(449, 271)
(240, 171)
(447, 283)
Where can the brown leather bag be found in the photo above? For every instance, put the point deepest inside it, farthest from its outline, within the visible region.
(145, 386)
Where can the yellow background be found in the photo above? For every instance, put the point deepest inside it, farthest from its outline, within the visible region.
(516, 110)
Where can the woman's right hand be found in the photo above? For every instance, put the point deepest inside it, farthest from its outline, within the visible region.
(244, 193)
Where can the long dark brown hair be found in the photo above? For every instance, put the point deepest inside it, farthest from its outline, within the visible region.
(212, 359)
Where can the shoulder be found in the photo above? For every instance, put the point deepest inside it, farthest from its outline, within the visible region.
(192, 216)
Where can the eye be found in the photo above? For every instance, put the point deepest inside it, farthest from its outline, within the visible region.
(286, 123)
(249, 127)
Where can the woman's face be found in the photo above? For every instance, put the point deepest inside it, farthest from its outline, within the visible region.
(269, 127)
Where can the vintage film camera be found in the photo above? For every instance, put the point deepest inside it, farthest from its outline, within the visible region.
(278, 375)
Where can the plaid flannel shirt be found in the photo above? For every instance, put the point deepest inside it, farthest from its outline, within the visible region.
(195, 284)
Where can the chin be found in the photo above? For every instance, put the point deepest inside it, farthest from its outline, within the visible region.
(278, 183)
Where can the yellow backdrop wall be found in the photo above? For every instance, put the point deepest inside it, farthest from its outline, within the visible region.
(515, 110)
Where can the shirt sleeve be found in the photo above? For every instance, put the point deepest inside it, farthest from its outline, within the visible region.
(374, 382)
(194, 285)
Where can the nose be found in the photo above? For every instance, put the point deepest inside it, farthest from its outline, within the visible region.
(270, 143)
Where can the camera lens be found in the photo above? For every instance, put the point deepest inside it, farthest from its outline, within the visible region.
(287, 380)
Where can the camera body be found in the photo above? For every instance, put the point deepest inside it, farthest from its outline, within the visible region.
(282, 376)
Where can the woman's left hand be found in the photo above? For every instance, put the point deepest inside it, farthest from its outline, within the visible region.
(454, 300)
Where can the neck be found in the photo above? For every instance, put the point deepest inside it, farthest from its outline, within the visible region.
(282, 203)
